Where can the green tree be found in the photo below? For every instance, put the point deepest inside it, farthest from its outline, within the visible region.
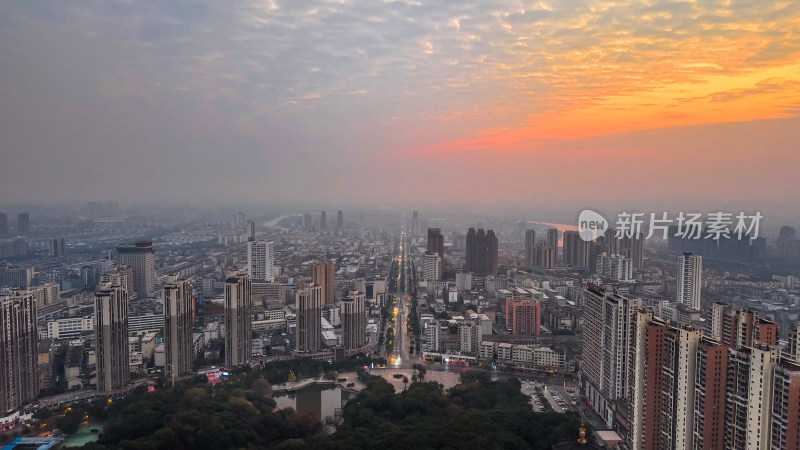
(42, 414)
(71, 420)
(262, 387)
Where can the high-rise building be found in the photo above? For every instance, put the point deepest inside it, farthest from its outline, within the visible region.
(526, 317)
(354, 320)
(431, 267)
(709, 403)
(469, 333)
(10, 248)
(571, 241)
(430, 337)
(261, 260)
(178, 327)
(471, 251)
(544, 257)
(492, 249)
(576, 250)
(645, 354)
(308, 224)
(46, 294)
(238, 321)
(3, 225)
(749, 396)
(57, 247)
(323, 221)
(322, 274)
(251, 230)
(615, 267)
(596, 248)
(607, 336)
(610, 240)
(24, 224)
(120, 275)
(552, 244)
(16, 277)
(141, 258)
(678, 387)
(339, 221)
(736, 326)
(785, 423)
(698, 392)
(308, 337)
(665, 364)
(793, 348)
(632, 248)
(482, 249)
(19, 341)
(415, 224)
(787, 246)
(530, 248)
(509, 310)
(436, 242)
(716, 313)
(463, 281)
(690, 280)
(111, 336)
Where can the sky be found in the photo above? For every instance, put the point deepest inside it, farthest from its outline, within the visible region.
(516, 104)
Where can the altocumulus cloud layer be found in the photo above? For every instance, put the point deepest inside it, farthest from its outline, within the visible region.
(508, 102)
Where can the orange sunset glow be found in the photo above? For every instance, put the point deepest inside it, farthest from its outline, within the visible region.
(736, 69)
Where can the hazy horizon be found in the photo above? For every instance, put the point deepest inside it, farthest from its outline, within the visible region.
(448, 216)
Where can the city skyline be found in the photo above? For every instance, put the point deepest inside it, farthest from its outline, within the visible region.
(243, 96)
(590, 320)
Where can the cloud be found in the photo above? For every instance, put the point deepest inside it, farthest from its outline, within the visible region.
(254, 89)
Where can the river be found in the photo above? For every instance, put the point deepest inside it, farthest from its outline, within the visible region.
(274, 222)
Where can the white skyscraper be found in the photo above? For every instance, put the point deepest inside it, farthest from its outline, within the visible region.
(430, 339)
(260, 260)
(615, 267)
(606, 356)
(690, 278)
(469, 334)
(431, 267)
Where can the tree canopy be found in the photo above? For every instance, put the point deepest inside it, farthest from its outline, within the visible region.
(472, 415)
(240, 413)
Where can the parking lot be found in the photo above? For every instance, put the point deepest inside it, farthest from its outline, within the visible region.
(529, 391)
(559, 400)
(562, 398)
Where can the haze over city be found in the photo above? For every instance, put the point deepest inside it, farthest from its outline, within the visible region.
(527, 104)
